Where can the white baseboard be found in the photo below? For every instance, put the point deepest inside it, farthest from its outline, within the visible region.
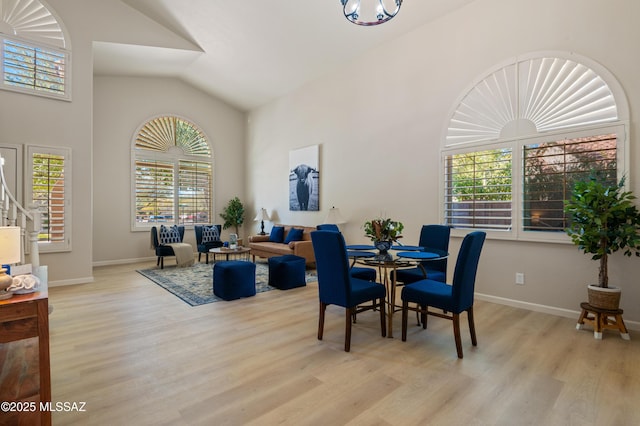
(567, 313)
(123, 261)
(60, 283)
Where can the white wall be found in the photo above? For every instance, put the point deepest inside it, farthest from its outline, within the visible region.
(121, 105)
(26, 119)
(380, 122)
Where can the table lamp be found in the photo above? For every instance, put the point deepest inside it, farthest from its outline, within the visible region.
(262, 216)
(9, 253)
(334, 216)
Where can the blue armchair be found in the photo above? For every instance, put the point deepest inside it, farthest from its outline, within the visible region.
(163, 250)
(204, 247)
(455, 298)
(337, 287)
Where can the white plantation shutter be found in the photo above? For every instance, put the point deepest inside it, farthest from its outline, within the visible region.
(49, 171)
(478, 190)
(173, 173)
(36, 58)
(519, 138)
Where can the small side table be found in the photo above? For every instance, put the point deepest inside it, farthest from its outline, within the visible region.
(601, 319)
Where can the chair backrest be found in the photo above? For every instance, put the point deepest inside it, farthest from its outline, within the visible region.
(464, 276)
(332, 266)
(198, 230)
(155, 239)
(437, 237)
(328, 227)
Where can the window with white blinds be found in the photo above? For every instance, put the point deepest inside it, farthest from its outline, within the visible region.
(35, 52)
(478, 189)
(49, 172)
(550, 170)
(521, 137)
(33, 69)
(173, 174)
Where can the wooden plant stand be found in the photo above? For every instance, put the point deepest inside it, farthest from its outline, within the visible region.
(601, 319)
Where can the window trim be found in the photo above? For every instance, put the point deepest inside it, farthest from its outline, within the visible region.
(172, 155)
(517, 233)
(66, 245)
(65, 96)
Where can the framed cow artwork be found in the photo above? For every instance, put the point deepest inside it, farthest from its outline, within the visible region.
(304, 183)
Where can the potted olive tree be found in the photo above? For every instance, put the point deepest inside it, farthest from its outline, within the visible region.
(603, 220)
(233, 216)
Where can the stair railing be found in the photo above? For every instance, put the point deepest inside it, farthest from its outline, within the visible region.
(29, 220)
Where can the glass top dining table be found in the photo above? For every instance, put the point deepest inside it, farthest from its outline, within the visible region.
(396, 258)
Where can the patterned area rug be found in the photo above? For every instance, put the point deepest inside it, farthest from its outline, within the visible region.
(194, 284)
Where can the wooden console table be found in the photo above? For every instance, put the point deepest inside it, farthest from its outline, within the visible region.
(25, 317)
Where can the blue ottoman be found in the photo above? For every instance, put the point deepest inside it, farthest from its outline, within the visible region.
(234, 279)
(287, 272)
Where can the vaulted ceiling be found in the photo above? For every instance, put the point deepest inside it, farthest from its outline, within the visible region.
(249, 52)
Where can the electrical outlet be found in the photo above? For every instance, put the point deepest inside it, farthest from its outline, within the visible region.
(519, 278)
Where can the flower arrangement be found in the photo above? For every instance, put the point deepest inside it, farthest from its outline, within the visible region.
(383, 229)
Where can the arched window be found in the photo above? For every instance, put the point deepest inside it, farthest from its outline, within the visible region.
(522, 135)
(172, 173)
(36, 58)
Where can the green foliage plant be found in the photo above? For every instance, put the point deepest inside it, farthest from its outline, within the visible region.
(603, 220)
(233, 214)
(383, 229)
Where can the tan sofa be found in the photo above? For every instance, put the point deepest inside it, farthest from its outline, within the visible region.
(262, 247)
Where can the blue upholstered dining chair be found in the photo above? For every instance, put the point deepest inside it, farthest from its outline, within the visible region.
(328, 227)
(163, 250)
(336, 286)
(368, 274)
(451, 299)
(203, 243)
(435, 237)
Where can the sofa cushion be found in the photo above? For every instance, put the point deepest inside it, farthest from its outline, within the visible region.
(277, 234)
(295, 234)
(210, 234)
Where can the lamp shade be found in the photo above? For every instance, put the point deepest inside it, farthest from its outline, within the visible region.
(10, 244)
(262, 215)
(334, 216)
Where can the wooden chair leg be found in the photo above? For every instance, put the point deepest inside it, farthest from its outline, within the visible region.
(383, 317)
(405, 319)
(199, 256)
(161, 262)
(472, 326)
(456, 334)
(158, 261)
(323, 308)
(424, 314)
(347, 332)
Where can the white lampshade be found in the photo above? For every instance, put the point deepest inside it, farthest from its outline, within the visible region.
(334, 216)
(262, 215)
(9, 244)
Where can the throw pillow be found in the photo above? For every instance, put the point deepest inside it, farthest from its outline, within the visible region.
(210, 234)
(294, 234)
(169, 235)
(277, 234)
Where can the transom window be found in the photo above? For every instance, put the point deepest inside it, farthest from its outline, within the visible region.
(519, 140)
(35, 57)
(172, 174)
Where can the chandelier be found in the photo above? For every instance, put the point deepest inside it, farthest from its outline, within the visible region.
(375, 11)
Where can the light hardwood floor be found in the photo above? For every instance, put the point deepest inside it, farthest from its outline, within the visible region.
(137, 355)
